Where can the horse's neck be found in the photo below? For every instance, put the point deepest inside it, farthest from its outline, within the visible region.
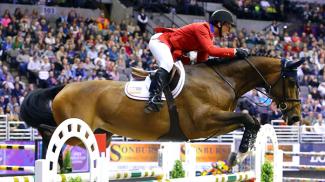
(246, 78)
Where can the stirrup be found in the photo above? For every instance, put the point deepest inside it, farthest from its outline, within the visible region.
(155, 101)
(150, 107)
(153, 106)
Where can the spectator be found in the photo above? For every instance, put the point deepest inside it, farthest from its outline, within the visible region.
(275, 112)
(49, 39)
(61, 19)
(33, 67)
(321, 90)
(275, 29)
(306, 126)
(142, 21)
(102, 22)
(23, 60)
(5, 20)
(319, 126)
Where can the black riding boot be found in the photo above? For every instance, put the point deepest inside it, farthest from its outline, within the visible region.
(157, 86)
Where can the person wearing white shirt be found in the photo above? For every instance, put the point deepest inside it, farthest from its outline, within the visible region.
(100, 60)
(33, 67)
(319, 126)
(49, 39)
(321, 89)
(92, 53)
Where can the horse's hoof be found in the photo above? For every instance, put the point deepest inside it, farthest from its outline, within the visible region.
(232, 159)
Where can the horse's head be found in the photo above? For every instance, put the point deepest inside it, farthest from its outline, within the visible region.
(285, 91)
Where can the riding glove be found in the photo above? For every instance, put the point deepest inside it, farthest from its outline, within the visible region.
(241, 53)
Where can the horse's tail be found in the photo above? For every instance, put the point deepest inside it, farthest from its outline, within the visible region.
(36, 108)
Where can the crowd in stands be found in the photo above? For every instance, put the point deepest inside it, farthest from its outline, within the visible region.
(75, 48)
(258, 9)
(188, 7)
(71, 49)
(63, 3)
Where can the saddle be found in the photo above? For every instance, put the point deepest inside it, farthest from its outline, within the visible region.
(138, 87)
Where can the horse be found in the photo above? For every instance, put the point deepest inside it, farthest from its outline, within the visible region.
(205, 106)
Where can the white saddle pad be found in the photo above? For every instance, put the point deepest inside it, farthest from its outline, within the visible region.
(139, 90)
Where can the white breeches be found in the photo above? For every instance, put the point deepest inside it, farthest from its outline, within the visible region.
(161, 52)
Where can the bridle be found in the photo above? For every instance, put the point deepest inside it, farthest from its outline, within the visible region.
(285, 72)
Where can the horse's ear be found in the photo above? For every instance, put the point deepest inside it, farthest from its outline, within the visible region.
(295, 64)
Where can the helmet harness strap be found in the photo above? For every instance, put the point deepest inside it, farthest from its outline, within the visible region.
(219, 29)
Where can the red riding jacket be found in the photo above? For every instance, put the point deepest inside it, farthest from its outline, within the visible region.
(192, 37)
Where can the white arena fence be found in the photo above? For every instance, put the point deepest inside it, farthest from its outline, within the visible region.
(286, 134)
(46, 169)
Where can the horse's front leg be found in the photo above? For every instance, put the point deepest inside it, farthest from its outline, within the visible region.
(220, 122)
(251, 126)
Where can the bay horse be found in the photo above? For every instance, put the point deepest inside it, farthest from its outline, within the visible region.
(205, 106)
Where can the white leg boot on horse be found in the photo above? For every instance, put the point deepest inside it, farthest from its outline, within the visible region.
(246, 145)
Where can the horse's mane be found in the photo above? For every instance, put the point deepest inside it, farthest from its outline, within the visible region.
(220, 61)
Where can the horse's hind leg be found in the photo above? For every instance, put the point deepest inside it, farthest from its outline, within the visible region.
(46, 133)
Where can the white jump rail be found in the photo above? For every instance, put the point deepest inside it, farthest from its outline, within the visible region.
(46, 169)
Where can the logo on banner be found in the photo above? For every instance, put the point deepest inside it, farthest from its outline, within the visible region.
(134, 152)
(316, 159)
(312, 160)
(208, 152)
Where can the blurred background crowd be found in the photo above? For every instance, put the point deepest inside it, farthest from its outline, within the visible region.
(37, 52)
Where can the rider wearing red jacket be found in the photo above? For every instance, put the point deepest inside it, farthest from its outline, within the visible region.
(170, 44)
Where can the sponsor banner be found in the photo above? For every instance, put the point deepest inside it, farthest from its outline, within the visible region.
(10, 157)
(79, 158)
(312, 160)
(283, 147)
(148, 152)
(130, 156)
(209, 152)
(134, 152)
(13, 157)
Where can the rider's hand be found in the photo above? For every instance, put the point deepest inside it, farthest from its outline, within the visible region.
(241, 53)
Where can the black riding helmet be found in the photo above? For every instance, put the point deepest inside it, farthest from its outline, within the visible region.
(222, 16)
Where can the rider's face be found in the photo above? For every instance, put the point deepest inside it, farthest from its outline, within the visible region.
(226, 27)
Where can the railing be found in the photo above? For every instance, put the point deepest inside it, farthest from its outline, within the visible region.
(17, 130)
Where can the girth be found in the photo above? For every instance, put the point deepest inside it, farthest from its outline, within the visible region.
(175, 132)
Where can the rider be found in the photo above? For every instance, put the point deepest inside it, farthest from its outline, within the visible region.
(170, 44)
